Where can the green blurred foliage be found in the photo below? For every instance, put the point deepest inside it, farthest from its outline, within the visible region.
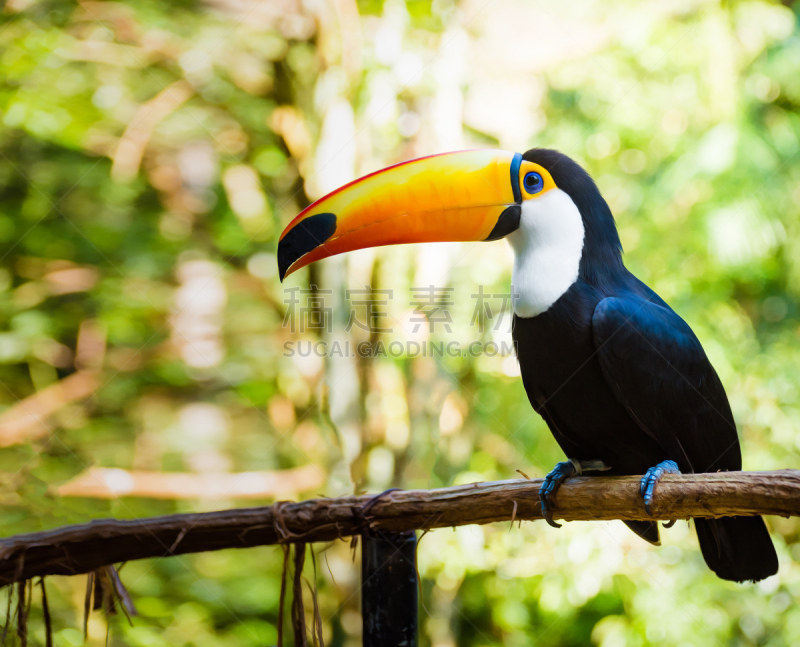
(150, 154)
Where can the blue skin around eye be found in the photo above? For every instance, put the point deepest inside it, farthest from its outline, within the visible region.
(533, 182)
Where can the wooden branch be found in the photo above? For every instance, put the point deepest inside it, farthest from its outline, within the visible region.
(86, 547)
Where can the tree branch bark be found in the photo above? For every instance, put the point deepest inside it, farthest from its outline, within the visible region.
(83, 548)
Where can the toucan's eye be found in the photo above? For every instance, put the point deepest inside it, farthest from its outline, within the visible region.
(533, 182)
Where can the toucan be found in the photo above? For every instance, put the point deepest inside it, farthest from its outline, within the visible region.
(620, 379)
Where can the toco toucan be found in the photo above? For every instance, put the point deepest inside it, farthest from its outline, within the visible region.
(620, 379)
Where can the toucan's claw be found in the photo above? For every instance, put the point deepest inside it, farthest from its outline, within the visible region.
(669, 524)
(548, 517)
(552, 482)
(648, 483)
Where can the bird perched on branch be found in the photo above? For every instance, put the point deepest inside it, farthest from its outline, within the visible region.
(620, 379)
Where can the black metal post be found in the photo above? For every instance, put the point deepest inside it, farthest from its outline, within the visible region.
(389, 590)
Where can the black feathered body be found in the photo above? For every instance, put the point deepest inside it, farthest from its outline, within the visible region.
(592, 369)
(618, 376)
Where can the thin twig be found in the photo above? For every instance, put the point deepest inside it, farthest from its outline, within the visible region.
(22, 615)
(48, 625)
(87, 605)
(298, 611)
(282, 598)
(315, 598)
(10, 590)
(122, 593)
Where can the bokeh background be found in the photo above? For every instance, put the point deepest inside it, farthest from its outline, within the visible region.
(150, 155)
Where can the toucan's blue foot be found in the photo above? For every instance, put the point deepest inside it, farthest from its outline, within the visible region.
(552, 482)
(648, 483)
(561, 472)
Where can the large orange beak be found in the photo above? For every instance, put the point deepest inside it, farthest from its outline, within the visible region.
(469, 195)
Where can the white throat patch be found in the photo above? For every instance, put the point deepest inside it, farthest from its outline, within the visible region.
(547, 252)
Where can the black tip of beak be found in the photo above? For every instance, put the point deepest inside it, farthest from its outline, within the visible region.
(306, 236)
(506, 223)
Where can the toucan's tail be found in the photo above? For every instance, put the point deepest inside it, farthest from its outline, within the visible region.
(737, 548)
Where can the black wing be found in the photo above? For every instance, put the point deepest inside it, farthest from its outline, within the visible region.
(659, 372)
